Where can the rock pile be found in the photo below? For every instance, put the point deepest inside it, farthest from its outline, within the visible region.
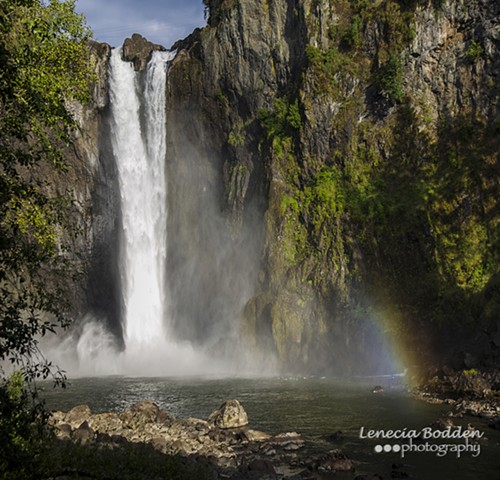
(469, 392)
(224, 439)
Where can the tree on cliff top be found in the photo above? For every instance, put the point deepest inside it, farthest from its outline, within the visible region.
(44, 69)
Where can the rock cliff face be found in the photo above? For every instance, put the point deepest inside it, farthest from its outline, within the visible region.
(92, 181)
(353, 149)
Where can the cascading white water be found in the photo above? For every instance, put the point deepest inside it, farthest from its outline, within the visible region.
(138, 141)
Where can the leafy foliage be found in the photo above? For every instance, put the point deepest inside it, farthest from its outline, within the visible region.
(22, 431)
(45, 68)
(352, 38)
(283, 120)
(475, 50)
(130, 461)
(325, 66)
(390, 78)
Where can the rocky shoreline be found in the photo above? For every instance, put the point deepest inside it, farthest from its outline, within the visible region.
(224, 442)
(467, 392)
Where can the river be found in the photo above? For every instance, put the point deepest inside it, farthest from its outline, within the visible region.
(314, 407)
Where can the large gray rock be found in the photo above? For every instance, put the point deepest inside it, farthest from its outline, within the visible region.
(230, 414)
(218, 441)
(138, 50)
(84, 434)
(256, 436)
(105, 422)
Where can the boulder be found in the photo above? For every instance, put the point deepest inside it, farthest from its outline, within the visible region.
(83, 434)
(256, 436)
(159, 443)
(335, 436)
(335, 461)
(304, 475)
(56, 418)
(143, 413)
(471, 384)
(262, 467)
(105, 422)
(63, 430)
(375, 476)
(287, 439)
(399, 474)
(230, 414)
(222, 441)
(442, 423)
(196, 424)
(494, 423)
(77, 415)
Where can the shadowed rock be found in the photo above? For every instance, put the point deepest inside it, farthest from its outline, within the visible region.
(223, 441)
(335, 436)
(335, 461)
(83, 434)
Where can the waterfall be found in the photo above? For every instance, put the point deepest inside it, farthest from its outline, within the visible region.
(138, 141)
(197, 332)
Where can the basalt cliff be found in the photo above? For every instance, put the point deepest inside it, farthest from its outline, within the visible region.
(333, 178)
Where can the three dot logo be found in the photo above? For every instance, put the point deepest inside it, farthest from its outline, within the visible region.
(387, 448)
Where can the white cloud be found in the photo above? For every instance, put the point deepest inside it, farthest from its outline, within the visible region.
(160, 21)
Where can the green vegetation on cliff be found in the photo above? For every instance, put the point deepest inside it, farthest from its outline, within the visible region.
(399, 211)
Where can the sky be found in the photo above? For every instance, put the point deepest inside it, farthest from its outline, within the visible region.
(160, 21)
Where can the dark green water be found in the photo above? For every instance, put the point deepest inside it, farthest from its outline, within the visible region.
(313, 407)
